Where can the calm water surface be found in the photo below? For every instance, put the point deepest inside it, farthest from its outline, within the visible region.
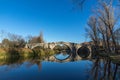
(45, 69)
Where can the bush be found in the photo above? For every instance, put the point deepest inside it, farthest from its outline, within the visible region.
(23, 52)
(39, 52)
(8, 53)
(51, 52)
(42, 52)
(3, 53)
(13, 52)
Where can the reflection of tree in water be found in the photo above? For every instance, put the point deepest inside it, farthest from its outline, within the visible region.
(39, 65)
(118, 73)
(33, 62)
(64, 53)
(14, 63)
(103, 69)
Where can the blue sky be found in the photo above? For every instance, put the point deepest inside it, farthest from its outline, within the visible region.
(59, 20)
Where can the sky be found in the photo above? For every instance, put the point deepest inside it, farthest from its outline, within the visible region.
(59, 20)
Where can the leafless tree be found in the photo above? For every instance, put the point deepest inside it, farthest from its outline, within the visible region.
(28, 38)
(103, 34)
(79, 3)
(2, 34)
(92, 30)
(107, 16)
(40, 38)
(103, 25)
(36, 39)
(16, 40)
(117, 36)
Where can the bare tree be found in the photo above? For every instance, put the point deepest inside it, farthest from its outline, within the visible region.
(2, 34)
(28, 38)
(107, 16)
(117, 36)
(16, 40)
(40, 38)
(5, 43)
(93, 30)
(102, 31)
(103, 25)
(36, 39)
(79, 3)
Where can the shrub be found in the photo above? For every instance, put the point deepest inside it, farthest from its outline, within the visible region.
(51, 52)
(42, 52)
(3, 53)
(23, 52)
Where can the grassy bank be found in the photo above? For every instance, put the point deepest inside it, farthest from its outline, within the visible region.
(25, 53)
(115, 58)
(3, 53)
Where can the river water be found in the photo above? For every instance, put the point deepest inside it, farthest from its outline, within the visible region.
(50, 69)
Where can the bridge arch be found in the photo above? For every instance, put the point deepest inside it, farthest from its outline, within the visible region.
(62, 43)
(83, 51)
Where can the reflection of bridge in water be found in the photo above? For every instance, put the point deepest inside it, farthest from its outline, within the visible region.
(68, 59)
(75, 49)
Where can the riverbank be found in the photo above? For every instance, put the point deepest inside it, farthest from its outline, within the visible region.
(27, 53)
(115, 58)
(24, 52)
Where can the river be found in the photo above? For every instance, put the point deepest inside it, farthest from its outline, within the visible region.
(48, 68)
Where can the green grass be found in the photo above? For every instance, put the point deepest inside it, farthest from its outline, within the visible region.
(23, 52)
(115, 59)
(3, 53)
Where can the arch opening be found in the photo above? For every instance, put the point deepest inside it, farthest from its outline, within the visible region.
(83, 52)
(62, 52)
(62, 48)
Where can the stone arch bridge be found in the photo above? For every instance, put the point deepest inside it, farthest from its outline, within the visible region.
(72, 46)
